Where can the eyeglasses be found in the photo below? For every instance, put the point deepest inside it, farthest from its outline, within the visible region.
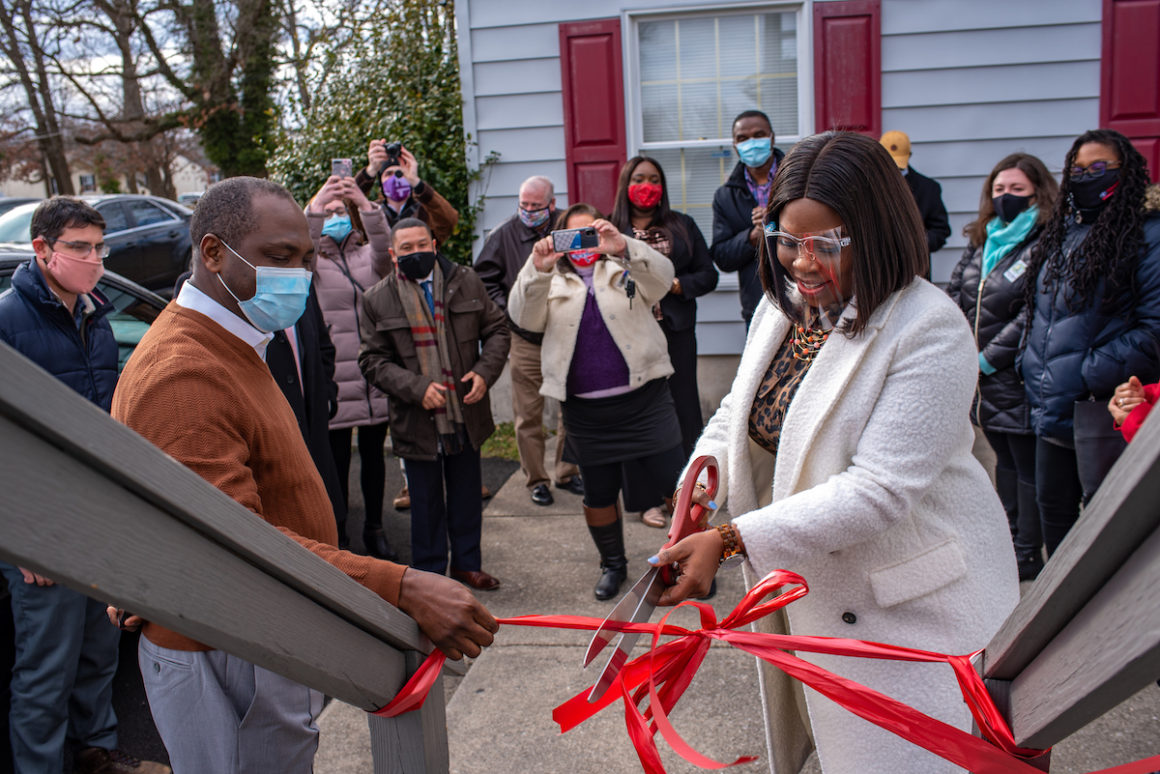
(83, 249)
(1096, 169)
(824, 245)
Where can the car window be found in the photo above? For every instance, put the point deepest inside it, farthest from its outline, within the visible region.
(146, 213)
(130, 319)
(15, 224)
(114, 215)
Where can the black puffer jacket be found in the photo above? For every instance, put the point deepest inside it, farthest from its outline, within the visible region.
(1071, 354)
(994, 308)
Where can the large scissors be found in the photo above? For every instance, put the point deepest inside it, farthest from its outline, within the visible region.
(639, 601)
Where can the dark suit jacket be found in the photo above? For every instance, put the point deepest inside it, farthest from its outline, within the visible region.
(928, 197)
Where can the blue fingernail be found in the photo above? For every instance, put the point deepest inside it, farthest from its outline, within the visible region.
(712, 505)
(654, 559)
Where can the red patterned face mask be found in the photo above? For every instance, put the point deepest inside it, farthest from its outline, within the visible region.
(645, 195)
(583, 258)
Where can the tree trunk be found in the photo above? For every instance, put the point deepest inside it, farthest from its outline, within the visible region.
(48, 136)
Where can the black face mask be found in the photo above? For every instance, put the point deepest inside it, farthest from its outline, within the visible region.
(416, 266)
(1009, 206)
(1091, 193)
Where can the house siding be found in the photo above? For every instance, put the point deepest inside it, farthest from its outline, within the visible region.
(969, 82)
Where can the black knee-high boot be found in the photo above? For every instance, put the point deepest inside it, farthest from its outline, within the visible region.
(609, 540)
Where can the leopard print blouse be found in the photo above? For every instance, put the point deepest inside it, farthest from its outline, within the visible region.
(774, 395)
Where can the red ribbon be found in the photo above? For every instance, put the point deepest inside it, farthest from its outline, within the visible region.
(664, 672)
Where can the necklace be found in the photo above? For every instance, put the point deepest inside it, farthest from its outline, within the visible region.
(806, 342)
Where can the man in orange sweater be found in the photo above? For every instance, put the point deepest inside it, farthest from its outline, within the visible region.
(205, 354)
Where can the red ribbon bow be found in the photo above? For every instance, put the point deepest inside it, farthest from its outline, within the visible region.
(665, 671)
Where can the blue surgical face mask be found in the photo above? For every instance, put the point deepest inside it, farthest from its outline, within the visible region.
(337, 227)
(279, 295)
(755, 152)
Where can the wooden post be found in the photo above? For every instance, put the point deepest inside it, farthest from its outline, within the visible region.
(94, 506)
(1087, 635)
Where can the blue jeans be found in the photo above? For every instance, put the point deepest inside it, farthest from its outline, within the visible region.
(62, 679)
(445, 508)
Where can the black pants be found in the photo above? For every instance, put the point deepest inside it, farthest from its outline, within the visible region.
(683, 385)
(602, 483)
(445, 507)
(1058, 491)
(1015, 483)
(372, 468)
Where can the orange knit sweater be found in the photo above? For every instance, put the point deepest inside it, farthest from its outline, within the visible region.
(205, 397)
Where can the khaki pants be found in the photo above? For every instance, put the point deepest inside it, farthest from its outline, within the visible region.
(528, 408)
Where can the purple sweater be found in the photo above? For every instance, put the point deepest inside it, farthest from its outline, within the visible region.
(598, 369)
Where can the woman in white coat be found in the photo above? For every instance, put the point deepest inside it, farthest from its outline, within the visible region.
(845, 454)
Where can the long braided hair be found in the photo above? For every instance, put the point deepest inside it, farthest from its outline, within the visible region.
(1110, 250)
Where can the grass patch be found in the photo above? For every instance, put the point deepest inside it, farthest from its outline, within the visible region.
(502, 443)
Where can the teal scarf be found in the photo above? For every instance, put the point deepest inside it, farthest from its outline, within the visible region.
(1002, 239)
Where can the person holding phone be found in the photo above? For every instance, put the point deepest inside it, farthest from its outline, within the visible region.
(642, 211)
(405, 195)
(352, 253)
(605, 358)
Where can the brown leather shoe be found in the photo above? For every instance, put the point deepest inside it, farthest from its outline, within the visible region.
(477, 579)
(97, 760)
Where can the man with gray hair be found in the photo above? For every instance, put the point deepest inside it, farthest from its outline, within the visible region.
(503, 255)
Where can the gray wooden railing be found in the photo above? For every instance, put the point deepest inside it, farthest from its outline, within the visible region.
(92, 505)
(1087, 634)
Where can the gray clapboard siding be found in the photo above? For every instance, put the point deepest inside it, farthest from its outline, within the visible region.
(526, 41)
(984, 48)
(1009, 124)
(518, 77)
(1086, 635)
(519, 111)
(910, 16)
(1002, 83)
(534, 144)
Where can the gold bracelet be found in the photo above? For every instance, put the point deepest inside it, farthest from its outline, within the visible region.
(732, 544)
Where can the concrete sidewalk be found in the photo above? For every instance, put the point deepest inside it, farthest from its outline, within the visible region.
(499, 714)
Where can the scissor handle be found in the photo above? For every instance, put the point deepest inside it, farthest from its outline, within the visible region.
(690, 517)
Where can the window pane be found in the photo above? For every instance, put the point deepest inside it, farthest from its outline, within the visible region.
(698, 72)
(114, 215)
(146, 214)
(693, 176)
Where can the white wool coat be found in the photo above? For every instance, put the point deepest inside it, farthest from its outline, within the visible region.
(878, 502)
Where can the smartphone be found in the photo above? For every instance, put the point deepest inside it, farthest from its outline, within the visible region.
(340, 167)
(570, 239)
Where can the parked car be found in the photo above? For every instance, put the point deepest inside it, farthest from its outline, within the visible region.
(134, 307)
(8, 202)
(148, 236)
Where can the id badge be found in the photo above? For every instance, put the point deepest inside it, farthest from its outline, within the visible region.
(1016, 270)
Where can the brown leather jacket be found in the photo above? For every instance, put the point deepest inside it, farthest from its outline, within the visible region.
(478, 338)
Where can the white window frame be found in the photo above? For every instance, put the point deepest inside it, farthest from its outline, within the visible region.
(630, 20)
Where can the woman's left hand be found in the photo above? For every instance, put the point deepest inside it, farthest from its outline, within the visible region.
(611, 240)
(697, 557)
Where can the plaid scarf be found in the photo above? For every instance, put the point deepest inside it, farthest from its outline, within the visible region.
(430, 338)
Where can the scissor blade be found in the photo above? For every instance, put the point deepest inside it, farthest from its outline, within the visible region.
(625, 609)
(619, 656)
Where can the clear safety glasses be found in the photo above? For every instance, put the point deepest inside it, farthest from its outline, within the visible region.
(822, 246)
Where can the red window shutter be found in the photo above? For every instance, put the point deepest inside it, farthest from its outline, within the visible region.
(593, 85)
(1130, 74)
(848, 66)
